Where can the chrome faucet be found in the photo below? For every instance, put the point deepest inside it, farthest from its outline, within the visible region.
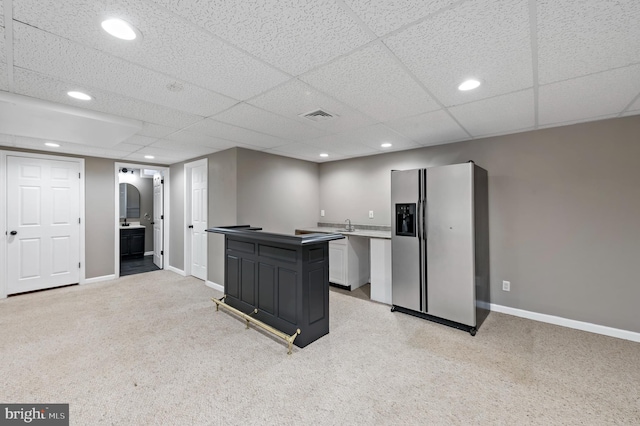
(349, 226)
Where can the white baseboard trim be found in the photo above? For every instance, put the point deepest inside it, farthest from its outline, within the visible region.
(175, 270)
(214, 286)
(99, 279)
(148, 253)
(565, 322)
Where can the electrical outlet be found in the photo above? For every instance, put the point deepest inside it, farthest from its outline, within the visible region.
(370, 214)
(322, 213)
(506, 285)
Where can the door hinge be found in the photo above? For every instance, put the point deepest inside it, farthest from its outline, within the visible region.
(78, 220)
(161, 252)
(162, 181)
(162, 216)
(79, 176)
(78, 265)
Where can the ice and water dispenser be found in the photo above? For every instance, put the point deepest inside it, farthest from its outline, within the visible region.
(406, 220)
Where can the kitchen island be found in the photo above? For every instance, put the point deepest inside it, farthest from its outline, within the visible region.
(280, 280)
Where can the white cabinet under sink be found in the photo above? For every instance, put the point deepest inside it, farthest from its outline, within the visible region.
(349, 261)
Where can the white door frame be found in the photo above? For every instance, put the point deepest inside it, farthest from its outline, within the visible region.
(116, 211)
(4, 285)
(187, 214)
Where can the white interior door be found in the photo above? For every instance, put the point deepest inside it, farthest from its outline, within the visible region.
(43, 220)
(158, 220)
(198, 221)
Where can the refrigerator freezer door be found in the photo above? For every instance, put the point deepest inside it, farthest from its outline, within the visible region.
(405, 249)
(450, 243)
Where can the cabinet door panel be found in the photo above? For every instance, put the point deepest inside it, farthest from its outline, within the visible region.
(337, 263)
(136, 244)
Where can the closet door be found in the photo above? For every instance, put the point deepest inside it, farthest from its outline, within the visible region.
(43, 220)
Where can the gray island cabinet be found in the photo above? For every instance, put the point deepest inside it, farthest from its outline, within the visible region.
(284, 277)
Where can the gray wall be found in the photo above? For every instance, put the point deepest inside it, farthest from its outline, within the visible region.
(255, 188)
(223, 210)
(176, 212)
(563, 211)
(99, 217)
(276, 193)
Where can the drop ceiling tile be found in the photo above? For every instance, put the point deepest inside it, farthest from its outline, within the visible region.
(363, 141)
(585, 37)
(634, 107)
(507, 113)
(126, 147)
(161, 155)
(306, 152)
(155, 130)
(192, 138)
(204, 59)
(296, 97)
(40, 86)
(466, 41)
(67, 148)
(3, 51)
(293, 36)
(163, 146)
(226, 131)
(345, 149)
(431, 128)
(383, 16)
(373, 82)
(584, 98)
(256, 119)
(4, 80)
(138, 140)
(60, 58)
(6, 140)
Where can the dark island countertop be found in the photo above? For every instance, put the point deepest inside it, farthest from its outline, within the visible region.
(257, 234)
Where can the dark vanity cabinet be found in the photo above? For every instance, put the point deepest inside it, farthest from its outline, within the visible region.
(131, 243)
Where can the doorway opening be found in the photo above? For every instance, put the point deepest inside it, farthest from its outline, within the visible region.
(141, 218)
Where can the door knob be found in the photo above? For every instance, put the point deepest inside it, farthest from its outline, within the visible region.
(14, 232)
(190, 226)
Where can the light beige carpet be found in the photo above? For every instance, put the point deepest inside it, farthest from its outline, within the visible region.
(151, 349)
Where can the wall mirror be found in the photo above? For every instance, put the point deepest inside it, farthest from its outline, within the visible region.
(129, 201)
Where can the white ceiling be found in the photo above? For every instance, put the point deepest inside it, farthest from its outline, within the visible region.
(388, 69)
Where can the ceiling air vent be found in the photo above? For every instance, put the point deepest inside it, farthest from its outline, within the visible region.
(318, 115)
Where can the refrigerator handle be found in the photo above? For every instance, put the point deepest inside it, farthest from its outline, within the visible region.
(423, 242)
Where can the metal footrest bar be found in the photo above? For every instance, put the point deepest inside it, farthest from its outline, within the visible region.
(250, 319)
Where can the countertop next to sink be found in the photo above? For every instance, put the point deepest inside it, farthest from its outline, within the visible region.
(132, 226)
(357, 233)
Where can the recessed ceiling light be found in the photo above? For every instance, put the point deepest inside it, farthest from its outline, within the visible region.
(469, 85)
(150, 157)
(119, 28)
(52, 145)
(386, 145)
(79, 95)
(324, 154)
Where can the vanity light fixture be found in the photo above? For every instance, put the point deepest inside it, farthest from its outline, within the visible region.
(119, 28)
(324, 154)
(52, 144)
(79, 95)
(386, 145)
(150, 157)
(469, 85)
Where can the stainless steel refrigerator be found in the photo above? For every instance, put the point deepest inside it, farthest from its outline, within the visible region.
(440, 244)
